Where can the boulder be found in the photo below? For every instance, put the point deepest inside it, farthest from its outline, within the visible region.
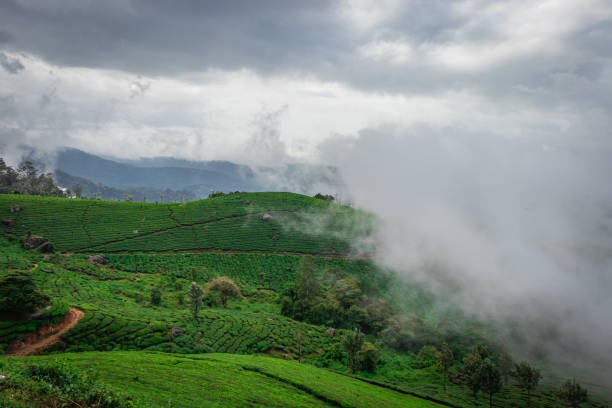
(97, 259)
(35, 242)
(266, 217)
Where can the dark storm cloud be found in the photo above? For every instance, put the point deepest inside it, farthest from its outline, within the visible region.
(161, 37)
(314, 38)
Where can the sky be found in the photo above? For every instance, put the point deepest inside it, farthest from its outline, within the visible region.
(478, 131)
(196, 79)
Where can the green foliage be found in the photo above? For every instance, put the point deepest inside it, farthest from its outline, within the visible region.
(353, 342)
(573, 393)
(326, 197)
(19, 295)
(195, 299)
(445, 359)
(116, 298)
(231, 222)
(56, 384)
(156, 296)
(225, 288)
(339, 303)
(225, 380)
(369, 357)
(215, 194)
(489, 378)
(28, 178)
(471, 370)
(506, 364)
(527, 378)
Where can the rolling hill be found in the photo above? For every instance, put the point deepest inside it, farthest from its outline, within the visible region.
(159, 355)
(223, 380)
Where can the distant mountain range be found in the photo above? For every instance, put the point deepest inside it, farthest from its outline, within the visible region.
(171, 179)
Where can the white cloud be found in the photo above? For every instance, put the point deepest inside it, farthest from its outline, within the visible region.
(367, 14)
(498, 32)
(395, 52)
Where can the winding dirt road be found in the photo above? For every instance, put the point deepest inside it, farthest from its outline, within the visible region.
(45, 336)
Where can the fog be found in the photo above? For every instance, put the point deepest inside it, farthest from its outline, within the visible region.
(510, 230)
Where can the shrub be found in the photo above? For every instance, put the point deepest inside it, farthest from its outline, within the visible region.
(56, 385)
(353, 342)
(225, 287)
(195, 299)
(19, 295)
(156, 296)
(572, 393)
(369, 357)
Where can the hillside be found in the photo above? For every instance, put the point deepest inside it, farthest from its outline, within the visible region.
(222, 380)
(264, 242)
(176, 176)
(279, 222)
(146, 179)
(98, 190)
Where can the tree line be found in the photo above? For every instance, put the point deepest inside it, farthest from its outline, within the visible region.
(27, 178)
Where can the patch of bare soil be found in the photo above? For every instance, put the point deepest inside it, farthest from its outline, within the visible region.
(45, 336)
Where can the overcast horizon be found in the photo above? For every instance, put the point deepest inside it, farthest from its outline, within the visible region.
(271, 81)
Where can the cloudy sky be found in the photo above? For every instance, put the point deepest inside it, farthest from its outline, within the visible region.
(478, 131)
(204, 80)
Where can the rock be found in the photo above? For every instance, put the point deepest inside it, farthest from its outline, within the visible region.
(266, 217)
(47, 270)
(9, 223)
(97, 259)
(15, 208)
(35, 242)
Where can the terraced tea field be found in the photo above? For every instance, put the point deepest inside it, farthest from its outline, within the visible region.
(221, 380)
(167, 247)
(293, 223)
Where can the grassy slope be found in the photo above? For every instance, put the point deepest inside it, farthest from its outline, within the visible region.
(231, 222)
(156, 380)
(116, 297)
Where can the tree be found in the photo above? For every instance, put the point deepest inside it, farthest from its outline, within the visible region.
(27, 179)
(19, 295)
(572, 393)
(302, 301)
(347, 291)
(8, 177)
(528, 378)
(445, 359)
(156, 296)
(326, 197)
(472, 364)
(505, 364)
(490, 379)
(225, 287)
(352, 343)
(195, 299)
(307, 287)
(368, 357)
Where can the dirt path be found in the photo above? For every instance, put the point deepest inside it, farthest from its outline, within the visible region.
(45, 336)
